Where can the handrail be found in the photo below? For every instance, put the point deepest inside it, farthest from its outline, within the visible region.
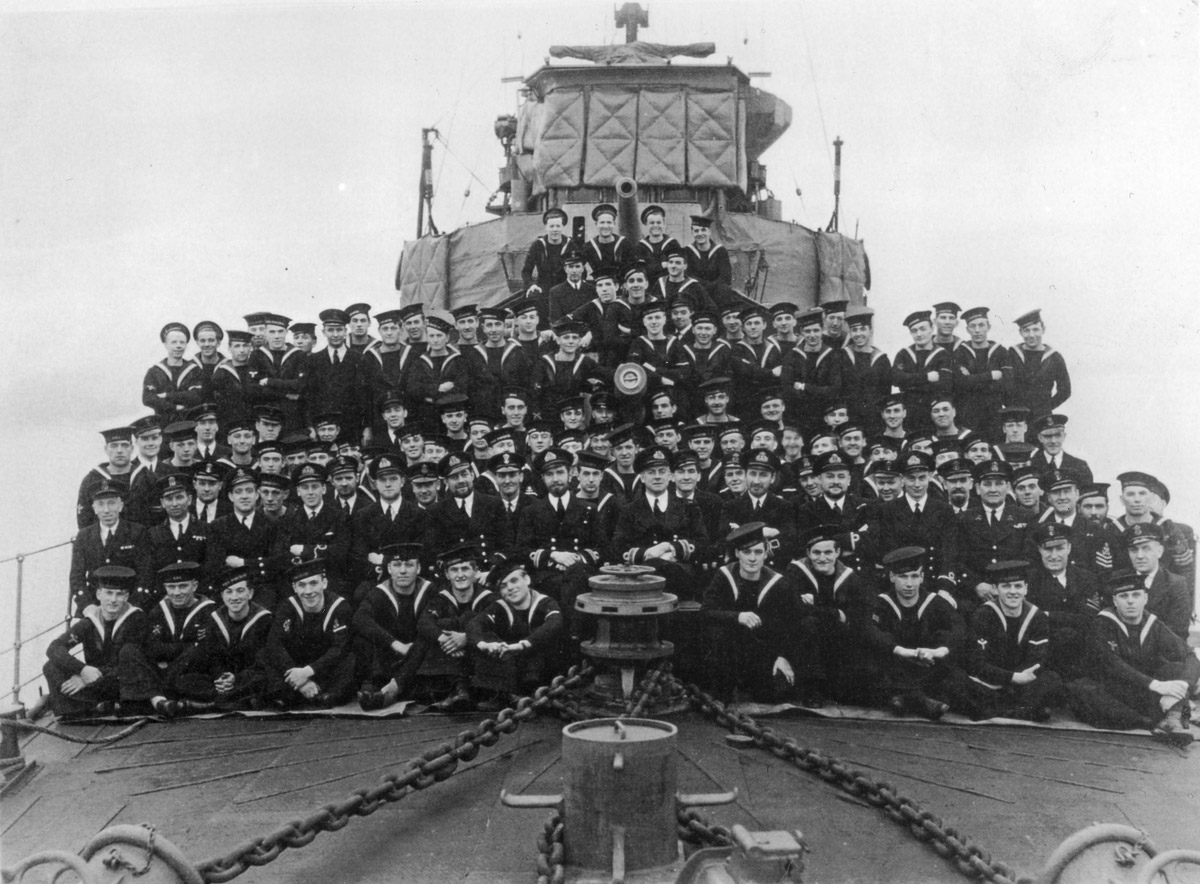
(57, 624)
(24, 555)
(19, 641)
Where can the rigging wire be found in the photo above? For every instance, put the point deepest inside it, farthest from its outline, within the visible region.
(462, 162)
(816, 88)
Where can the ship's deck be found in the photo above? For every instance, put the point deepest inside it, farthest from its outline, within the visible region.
(209, 785)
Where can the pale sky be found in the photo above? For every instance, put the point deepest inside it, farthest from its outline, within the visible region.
(194, 161)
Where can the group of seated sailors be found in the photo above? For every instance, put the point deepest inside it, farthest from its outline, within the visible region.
(848, 543)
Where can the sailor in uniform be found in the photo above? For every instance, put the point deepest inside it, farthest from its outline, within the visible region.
(651, 248)
(175, 628)
(105, 626)
(110, 540)
(1070, 595)
(118, 471)
(707, 261)
(516, 637)
(607, 247)
(308, 659)
(278, 374)
(358, 323)
(1041, 381)
(753, 611)
(174, 384)
(208, 336)
(221, 670)
(1051, 431)
(812, 371)
(1144, 675)
(569, 295)
(387, 646)
(922, 370)
(245, 538)
(543, 268)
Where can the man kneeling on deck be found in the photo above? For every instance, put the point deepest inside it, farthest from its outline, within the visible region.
(918, 637)
(91, 685)
(175, 629)
(387, 644)
(756, 612)
(307, 660)
(517, 635)
(1145, 674)
(222, 669)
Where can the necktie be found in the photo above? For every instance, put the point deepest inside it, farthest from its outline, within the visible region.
(559, 508)
(104, 538)
(311, 514)
(461, 506)
(177, 528)
(512, 507)
(337, 357)
(391, 513)
(658, 505)
(991, 517)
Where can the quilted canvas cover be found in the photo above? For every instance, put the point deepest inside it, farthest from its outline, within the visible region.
(423, 272)
(662, 116)
(843, 263)
(558, 154)
(712, 139)
(612, 122)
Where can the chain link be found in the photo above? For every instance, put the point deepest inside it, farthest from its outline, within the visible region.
(432, 766)
(694, 830)
(551, 868)
(970, 859)
(651, 688)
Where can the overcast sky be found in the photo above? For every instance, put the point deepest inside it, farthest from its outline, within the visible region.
(197, 161)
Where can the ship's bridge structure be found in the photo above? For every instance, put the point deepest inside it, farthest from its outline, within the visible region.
(690, 135)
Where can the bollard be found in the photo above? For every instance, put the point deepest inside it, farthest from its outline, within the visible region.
(1110, 852)
(10, 748)
(139, 850)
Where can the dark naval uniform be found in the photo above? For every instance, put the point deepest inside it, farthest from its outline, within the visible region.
(1071, 602)
(126, 546)
(448, 525)
(338, 382)
(173, 636)
(230, 389)
(326, 536)
(183, 386)
(866, 382)
(910, 372)
(821, 374)
(374, 526)
(229, 536)
(680, 523)
(1003, 646)
(652, 254)
(1041, 381)
(543, 530)
(285, 375)
(102, 641)
(320, 640)
(540, 624)
(743, 657)
(443, 613)
(544, 263)
(978, 396)
(931, 623)
(165, 546)
(498, 369)
(711, 267)
(229, 647)
(386, 616)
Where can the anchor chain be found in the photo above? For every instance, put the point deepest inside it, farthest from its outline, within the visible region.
(551, 869)
(432, 766)
(694, 830)
(969, 858)
(651, 688)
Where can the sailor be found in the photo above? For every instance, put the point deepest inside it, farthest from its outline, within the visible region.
(835, 608)
(997, 530)
(677, 284)
(1103, 532)
(757, 361)
(277, 374)
(1138, 493)
(893, 414)
(922, 370)
(91, 685)
(499, 364)
(1041, 381)
(753, 611)
(867, 371)
(609, 320)
(147, 439)
(783, 323)
(268, 423)
(507, 472)
(464, 516)
(945, 323)
(181, 439)
(517, 635)
(439, 371)
(175, 628)
(386, 365)
(543, 268)
(652, 247)
(943, 415)
(337, 376)
(308, 659)
(315, 528)
(426, 486)
(984, 373)
(635, 286)
(388, 648)
(273, 489)
(607, 247)
(1143, 673)
(110, 540)
(208, 336)
(358, 322)
(708, 262)
(1051, 430)
(304, 336)
(256, 326)
(208, 448)
(1167, 595)
(174, 384)
(1009, 658)
(466, 324)
(681, 310)
(812, 370)
(526, 317)
(384, 522)
(1070, 595)
(567, 372)
(117, 470)
(660, 530)
(180, 538)
(208, 480)
(448, 663)
(916, 519)
(917, 638)
(569, 295)
(731, 321)
(835, 333)
(349, 494)
(245, 539)
(222, 671)
(957, 478)
(835, 505)
(658, 352)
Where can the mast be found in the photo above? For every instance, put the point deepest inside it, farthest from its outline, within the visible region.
(425, 192)
(837, 183)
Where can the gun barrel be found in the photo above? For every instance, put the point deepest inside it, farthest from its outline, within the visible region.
(628, 222)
